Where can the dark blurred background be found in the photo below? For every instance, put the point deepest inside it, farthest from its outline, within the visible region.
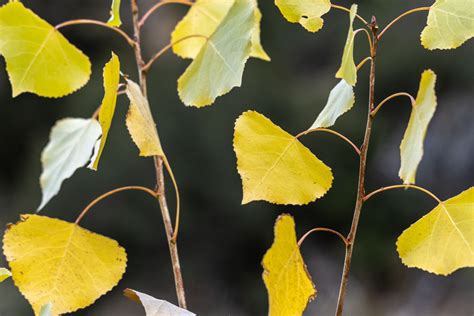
(222, 242)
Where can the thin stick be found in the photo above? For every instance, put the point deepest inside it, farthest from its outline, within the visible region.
(400, 17)
(159, 5)
(348, 10)
(323, 229)
(327, 130)
(100, 23)
(390, 97)
(362, 63)
(402, 186)
(105, 195)
(368, 36)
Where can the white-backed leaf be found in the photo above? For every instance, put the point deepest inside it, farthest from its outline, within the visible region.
(46, 310)
(156, 307)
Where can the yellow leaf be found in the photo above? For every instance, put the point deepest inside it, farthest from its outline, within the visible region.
(274, 165)
(450, 24)
(411, 148)
(443, 240)
(111, 74)
(39, 59)
(57, 262)
(115, 14)
(220, 64)
(348, 69)
(203, 19)
(288, 282)
(140, 123)
(305, 12)
(4, 274)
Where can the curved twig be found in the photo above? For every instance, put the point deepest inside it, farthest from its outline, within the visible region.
(348, 10)
(368, 36)
(390, 97)
(323, 229)
(362, 63)
(159, 5)
(327, 130)
(400, 17)
(402, 186)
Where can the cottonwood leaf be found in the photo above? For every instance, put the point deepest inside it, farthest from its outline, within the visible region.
(442, 241)
(348, 69)
(39, 59)
(115, 14)
(288, 283)
(46, 310)
(305, 12)
(274, 165)
(204, 18)
(111, 74)
(140, 123)
(71, 144)
(450, 24)
(4, 274)
(341, 99)
(411, 148)
(220, 64)
(61, 263)
(156, 307)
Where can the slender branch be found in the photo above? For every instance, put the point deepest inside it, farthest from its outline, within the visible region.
(348, 10)
(100, 23)
(159, 5)
(400, 17)
(323, 229)
(390, 97)
(362, 63)
(402, 186)
(327, 130)
(368, 36)
(105, 195)
(167, 47)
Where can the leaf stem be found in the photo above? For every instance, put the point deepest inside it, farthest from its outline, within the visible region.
(362, 63)
(402, 186)
(159, 5)
(100, 23)
(323, 229)
(368, 36)
(390, 97)
(327, 130)
(399, 18)
(348, 10)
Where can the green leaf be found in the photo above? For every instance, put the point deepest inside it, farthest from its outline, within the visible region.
(154, 306)
(70, 147)
(348, 69)
(411, 148)
(450, 24)
(443, 240)
(4, 274)
(305, 12)
(115, 14)
(220, 64)
(341, 99)
(39, 59)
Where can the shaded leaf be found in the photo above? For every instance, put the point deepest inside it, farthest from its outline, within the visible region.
(57, 262)
(348, 69)
(274, 165)
(4, 274)
(443, 240)
(115, 14)
(411, 148)
(156, 307)
(305, 12)
(39, 59)
(46, 310)
(288, 283)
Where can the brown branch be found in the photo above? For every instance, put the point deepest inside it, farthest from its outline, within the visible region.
(159, 5)
(327, 130)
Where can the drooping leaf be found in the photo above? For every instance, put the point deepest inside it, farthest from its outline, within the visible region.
(442, 241)
(140, 123)
(156, 307)
(220, 64)
(411, 148)
(4, 274)
(348, 69)
(70, 147)
(39, 59)
(111, 74)
(204, 18)
(288, 283)
(115, 14)
(274, 165)
(46, 310)
(341, 99)
(305, 12)
(450, 24)
(57, 262)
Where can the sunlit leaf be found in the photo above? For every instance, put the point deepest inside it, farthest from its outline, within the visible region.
(341, 99)
(305, 12)
(156, 307)
(39, 59)
(111, 74)
(450, 24)
(140, 123)
(57, 262)
(348, 70)
(220, 64)
(288, 282)
(274, 165)
(115, 14)
(4, 274)
(411, 148)
(442, 241)
(46, 310)
(203, 19)
(70, 147)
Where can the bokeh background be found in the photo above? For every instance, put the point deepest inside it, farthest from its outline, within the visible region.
(222, 242)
